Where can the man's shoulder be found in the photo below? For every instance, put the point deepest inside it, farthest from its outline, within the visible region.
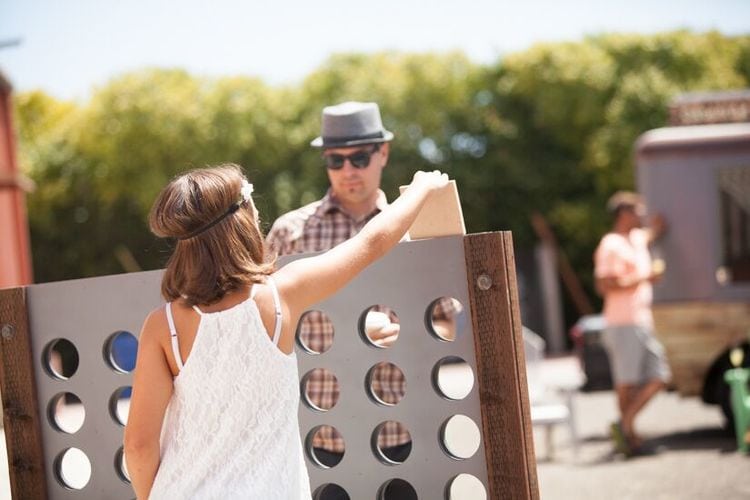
(290, 226)
(298, 216)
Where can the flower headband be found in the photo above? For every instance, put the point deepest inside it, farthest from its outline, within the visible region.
(246, 192)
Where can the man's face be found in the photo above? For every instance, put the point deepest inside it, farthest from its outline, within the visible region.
(356, 185)
(634, 215)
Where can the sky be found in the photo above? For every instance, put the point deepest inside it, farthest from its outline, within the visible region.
(69, 47)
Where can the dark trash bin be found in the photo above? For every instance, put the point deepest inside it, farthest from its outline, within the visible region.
(587, 339)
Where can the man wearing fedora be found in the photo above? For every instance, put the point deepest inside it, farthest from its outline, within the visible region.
(355, 148)
(355, 151)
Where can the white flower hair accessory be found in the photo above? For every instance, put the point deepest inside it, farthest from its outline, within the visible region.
(246, 191)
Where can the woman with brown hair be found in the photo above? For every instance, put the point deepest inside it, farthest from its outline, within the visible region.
(214, 406)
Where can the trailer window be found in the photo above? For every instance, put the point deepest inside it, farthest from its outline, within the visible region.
(734, 190)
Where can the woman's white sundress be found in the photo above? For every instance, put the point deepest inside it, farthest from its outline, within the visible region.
(231, 429)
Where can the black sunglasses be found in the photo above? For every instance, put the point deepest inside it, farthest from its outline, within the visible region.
(358, 159)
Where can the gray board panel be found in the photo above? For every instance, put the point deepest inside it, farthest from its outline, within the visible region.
(88, 311)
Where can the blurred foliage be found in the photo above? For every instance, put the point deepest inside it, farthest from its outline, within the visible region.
(550, 130)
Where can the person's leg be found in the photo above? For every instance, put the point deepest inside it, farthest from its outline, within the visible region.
(624, 395)
(398, 453)
(331, 492)
(655, 371)
(640, 397)
(327, 458)
(398, 489)
(617, 431)
(625, 355)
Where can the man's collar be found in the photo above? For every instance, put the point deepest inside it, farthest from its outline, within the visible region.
(330, 203)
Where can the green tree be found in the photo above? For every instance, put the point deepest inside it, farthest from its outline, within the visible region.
(566, 117)
(549, 130)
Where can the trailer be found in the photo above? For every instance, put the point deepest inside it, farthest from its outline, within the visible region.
(698, 177)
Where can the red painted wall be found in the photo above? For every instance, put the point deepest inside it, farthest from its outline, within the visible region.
(15, 255)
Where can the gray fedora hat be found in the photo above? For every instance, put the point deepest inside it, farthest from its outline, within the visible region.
(351, 124)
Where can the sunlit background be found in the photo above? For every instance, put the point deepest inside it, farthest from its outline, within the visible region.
(68, 48)
(533, 107)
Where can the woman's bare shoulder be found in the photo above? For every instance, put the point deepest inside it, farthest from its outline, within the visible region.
(154, 325)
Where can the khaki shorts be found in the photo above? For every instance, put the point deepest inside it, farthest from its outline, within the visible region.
(635, 355)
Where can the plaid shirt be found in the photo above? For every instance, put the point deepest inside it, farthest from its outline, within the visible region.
(317, 227)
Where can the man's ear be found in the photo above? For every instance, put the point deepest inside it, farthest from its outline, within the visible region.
(385, 149)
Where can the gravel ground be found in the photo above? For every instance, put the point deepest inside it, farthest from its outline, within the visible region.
(692, 455)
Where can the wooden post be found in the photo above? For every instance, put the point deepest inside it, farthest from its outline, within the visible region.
(23, 437)
(501, 369)
(569, 276)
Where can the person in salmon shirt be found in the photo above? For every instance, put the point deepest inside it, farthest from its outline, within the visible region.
(624, 272)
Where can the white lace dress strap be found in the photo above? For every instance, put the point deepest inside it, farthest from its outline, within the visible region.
(277, 307)
(173, 335)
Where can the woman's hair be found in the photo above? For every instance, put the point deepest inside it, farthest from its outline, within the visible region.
(223, 256)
